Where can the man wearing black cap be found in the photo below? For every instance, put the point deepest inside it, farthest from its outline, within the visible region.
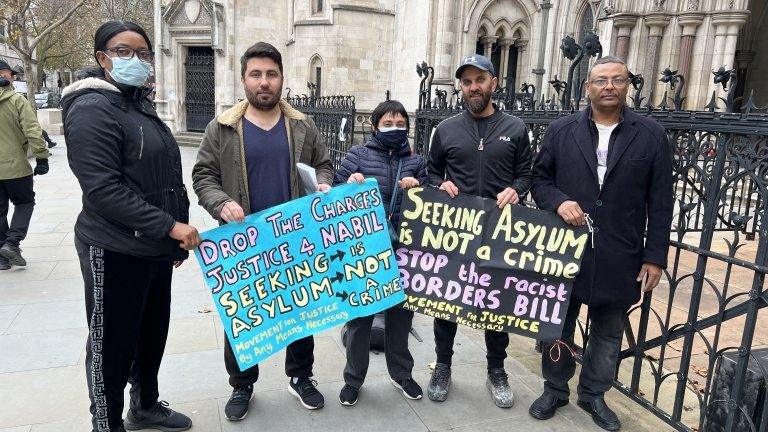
(486, 153)
(19, 129)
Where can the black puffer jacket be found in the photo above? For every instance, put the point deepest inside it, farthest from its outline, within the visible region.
(375, 161)
(129, 168)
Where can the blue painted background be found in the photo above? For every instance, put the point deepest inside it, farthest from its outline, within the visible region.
(335, 306)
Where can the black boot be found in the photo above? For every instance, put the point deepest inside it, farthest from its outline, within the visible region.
(545, 406)
(601, 414)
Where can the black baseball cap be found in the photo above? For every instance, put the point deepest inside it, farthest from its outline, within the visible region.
(4, 65)
(478, 61)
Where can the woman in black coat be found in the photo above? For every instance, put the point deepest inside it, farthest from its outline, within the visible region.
(132, 229)
(388, 158)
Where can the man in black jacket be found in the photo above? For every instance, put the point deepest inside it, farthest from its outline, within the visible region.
(482, 152)
(614, 166)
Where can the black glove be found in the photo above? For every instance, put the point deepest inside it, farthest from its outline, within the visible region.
(41, 167)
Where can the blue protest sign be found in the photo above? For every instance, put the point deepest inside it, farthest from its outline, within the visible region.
(299, 268)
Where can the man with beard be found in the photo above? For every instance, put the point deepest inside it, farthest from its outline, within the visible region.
(615, 166)
(244, 165)
(486, 153)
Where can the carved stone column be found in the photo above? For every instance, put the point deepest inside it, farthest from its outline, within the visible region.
(488, 42)
(539, 70)
(655, 24)
(624, 25)
(727, 25)
(689, 22)
(445, 40)
(160, 97)
(522, 47)
(504, 45)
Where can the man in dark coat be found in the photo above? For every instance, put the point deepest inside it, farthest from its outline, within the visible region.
(613, 168)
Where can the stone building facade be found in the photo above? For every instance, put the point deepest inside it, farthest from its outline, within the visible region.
(368, 47)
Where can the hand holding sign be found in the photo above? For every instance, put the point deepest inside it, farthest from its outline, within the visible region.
(649, 276)
(465, 260)
(299, 268)
(507, 196)
(449, 187)
(408, 182)
(232, 212)
(356, 178)
(186, 234)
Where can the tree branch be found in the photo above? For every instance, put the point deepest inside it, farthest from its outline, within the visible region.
(55, 24)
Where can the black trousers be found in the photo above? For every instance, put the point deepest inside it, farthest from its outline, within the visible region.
(397, 327)
(600, 356)
(128, 305)
(18, 191)
(495, 343)
(299, 358)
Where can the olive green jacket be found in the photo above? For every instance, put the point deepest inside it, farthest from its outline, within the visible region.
(19, 130)
(220, 175)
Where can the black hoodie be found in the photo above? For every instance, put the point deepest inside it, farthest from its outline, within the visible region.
(129, 168)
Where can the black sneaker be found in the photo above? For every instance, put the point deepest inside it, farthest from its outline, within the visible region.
(348, 395)
(158, 417)
(440, 383)
(13, 254)
(306, 391)
(411, 389)
(498, 385)
(4, 263)
(237, 405)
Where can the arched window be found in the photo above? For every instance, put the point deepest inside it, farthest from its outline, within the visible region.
(316, 73)
(317, 7)
(586, 26)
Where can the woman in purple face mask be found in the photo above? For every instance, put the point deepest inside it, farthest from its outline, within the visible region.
(388, 158)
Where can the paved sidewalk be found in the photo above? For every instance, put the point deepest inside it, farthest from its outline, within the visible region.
(43, 331)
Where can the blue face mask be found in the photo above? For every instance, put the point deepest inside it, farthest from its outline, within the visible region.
(392, 138)
(133, 72)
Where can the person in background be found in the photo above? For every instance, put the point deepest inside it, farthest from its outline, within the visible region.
(19, 131)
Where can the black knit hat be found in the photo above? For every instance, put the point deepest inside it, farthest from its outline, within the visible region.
(4, 65)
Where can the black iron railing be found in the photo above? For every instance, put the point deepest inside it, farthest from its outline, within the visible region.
(334, 117)
(688, 352)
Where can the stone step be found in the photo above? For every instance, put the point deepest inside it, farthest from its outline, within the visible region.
(188, 139)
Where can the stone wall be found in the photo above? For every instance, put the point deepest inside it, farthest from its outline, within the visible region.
(366, 47)
(409, 48)
(356, 54)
